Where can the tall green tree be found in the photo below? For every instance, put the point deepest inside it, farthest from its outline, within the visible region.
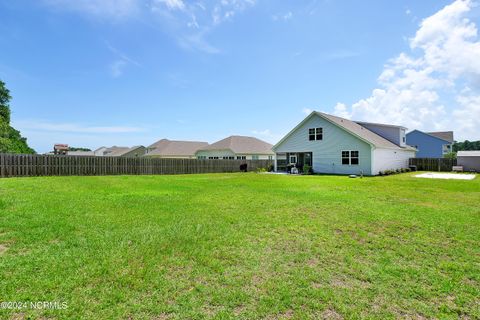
(11, 141)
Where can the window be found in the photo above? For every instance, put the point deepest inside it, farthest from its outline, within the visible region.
(315, 134)
(228, 158)
(241, 157)
(202, 157)
(255, 157)
(354, 157)
(350, 158)
(270, 157)
(293, 159)
(404, 140)
(346, 157)
(213, 158)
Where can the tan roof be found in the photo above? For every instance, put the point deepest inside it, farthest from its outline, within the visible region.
(444, 135)
(167, 147)
(116, 151)
(242, 145)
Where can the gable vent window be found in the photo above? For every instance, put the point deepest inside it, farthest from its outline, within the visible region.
(350, 158)
(315, 134)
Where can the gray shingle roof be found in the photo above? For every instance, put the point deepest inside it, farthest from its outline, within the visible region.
(361, 132)
(115, 151)
(242, 145)
(444, 135)
(468, 154)
(80, 153)
(167, 147)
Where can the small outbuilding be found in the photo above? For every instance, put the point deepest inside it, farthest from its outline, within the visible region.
(469, 160)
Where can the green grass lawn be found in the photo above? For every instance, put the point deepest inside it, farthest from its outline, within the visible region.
(241, 246)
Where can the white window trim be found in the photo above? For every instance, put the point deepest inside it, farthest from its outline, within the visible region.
(316, 133)
(349, 157)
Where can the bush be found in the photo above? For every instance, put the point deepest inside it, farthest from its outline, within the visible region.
(408, 170)
(380, 173)
(260, 170)
(307, 169)
(271, 168)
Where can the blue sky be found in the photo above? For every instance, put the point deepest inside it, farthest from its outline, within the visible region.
(129, 72)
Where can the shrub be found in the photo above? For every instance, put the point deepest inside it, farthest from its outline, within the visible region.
(271, 168)
(380, 173)
(408, 170)
(307, 169)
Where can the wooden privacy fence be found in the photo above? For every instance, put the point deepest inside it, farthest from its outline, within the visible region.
(15, 165)
(433, 164)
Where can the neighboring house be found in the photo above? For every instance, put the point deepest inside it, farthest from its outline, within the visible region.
(430, 144)
(237, 148)
(81, 153)
(60, 149)
(100, 151)
(469, 160)
(174, 149)
(125, 152)
(330, 144)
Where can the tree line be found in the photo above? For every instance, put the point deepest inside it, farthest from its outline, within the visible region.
(466, 146)
(11, 141)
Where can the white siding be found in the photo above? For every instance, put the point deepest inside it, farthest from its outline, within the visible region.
(390, 159)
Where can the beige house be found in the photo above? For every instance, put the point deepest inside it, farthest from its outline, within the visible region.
(237, 148)
(174, 149)
(125, 152)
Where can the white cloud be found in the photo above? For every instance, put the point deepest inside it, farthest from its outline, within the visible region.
(172, 4)
(116, 68)
(46, 126)
(267, 135)
(188, 22)
(99, 8)
(284, 17)
(121, 61)
(307, 111)
(426, 88)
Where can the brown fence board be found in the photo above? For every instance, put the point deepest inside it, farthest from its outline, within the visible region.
(433, 164)
(14, 165)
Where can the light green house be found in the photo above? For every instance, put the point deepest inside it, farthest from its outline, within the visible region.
(334, 145)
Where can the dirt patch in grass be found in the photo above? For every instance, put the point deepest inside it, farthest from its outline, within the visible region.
(3, 248)
(330, 314)
(284, 315)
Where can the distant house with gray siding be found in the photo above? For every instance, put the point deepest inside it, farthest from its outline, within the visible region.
(431, 144)
(469, 160)
(331, 144)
